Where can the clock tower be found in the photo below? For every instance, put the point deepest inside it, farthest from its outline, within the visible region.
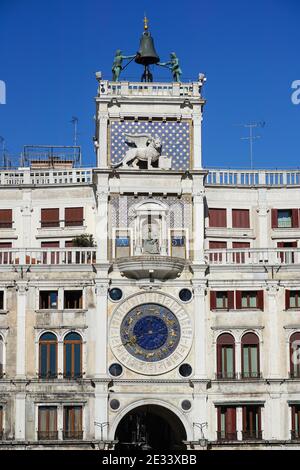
(149, 337)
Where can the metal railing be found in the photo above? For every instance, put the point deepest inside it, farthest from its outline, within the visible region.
(47, 256)
(73, 435)
(47, 435)
(226, 375)
(226, 436)
(255, 434)
(294, 374)
(227, 177)
(295, 435)
(253, 256)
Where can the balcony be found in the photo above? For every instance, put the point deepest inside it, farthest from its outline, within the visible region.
(226, 376)
(250, 375)
(47, 256)
(73, 435)
(238, 376)
(295, 374)
(151, 266)
(295, 435)
(43, 177)
(253, 256)
(254, 435)
(225, 177)
(47, 435)
(226, 436)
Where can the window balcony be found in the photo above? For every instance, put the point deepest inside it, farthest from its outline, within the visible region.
(48, 375)
(226, 376)
(294, 374)
(226, 436)
(295, 435)
(254, 435)
(151, 266)
(47, 435)
(250, 375)
(74, 435)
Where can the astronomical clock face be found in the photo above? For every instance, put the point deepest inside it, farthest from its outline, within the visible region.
(150, 333)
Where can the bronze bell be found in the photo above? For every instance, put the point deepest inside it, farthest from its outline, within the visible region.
(146, 54)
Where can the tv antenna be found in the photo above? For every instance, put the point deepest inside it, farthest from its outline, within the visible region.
(74, 121)
(251, 137)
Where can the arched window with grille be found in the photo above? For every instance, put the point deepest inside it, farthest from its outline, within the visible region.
(295, 355)
(225, 356)
(72, 356)
(250, 356)
(48, 356)
(1, 357)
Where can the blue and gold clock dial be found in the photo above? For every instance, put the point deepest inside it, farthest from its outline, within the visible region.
(150, 332)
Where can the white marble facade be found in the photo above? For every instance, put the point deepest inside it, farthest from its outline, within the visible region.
(154, 239)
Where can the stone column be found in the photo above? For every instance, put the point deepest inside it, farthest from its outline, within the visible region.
(102, 140)
(100, 329)
(21, 288)
(197, 136)
(20, 417)
(198, 226)
(263, 239)
(239, 422)
(272, 331)
(200, 329)
(101, 412)
(102, 220)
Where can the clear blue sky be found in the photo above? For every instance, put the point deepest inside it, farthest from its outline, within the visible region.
(249, 50)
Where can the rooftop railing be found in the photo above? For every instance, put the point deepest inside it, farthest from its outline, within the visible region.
(253, 177)
(149, 89)
(23, 176)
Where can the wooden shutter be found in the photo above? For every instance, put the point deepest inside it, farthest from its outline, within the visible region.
(287, 299)
(260, 299)
(217, 218)
(231, 420)
(73, 216)
(274, 215)
(50, 217)
(295, 218)
(238, 299)
(5, 218)
(240, 218)
(230, 294)
(213, 301)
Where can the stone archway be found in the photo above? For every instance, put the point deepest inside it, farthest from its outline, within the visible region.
(150, 427)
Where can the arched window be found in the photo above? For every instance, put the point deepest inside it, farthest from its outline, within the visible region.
(295, 355)
(72, 355)
(48, 356)
(250, 356)
(225, 357)
(1, 357)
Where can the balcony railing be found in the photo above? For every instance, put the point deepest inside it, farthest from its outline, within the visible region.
(295, 435)
(73, 435)
(47, 435)
(255, 434)
(149, 89)
(253, 256)
(253, 177)
(226, 436)
(294, 374)
(41, 256)
(226, 376)
(250, 375)
(48, 375)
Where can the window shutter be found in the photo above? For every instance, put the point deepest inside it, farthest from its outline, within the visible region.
(5, 218)
(295, 218)
(287, 299)
(73, 216)
(230, 294)
(238, 299)
(260, 299)
(217, 218)
(213, 301)
(274, 218)
(240, 218)
(50, 217)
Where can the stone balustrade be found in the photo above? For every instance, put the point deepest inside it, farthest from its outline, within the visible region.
(225, 177)
(24, 176)
(253, 256)
(48, 256)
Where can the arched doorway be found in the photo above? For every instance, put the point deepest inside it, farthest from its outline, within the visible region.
(150, 427)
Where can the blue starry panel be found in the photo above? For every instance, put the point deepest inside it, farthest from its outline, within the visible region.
(175, 138)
